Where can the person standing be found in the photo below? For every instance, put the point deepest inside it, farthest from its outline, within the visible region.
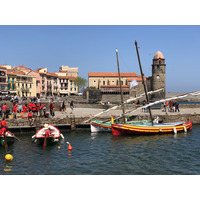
(4, 109)
(63, 106)
(51, 109)
(40, 110)
(34, 109)
(177, 107)
(20, 107)
(143, 103)
(44, 109)
(24, 110)
(29, 106)
(71, 106)
(15, 110)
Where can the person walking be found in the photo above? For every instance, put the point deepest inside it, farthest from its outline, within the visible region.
(71, 106)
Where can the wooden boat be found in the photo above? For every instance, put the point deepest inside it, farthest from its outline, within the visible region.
(47, 135)
(148, 129)
(9, 138)
(100, 126)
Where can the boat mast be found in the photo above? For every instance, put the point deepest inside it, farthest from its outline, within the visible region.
(120, 83)
(142, 75)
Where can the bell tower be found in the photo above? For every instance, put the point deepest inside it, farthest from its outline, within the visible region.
(158, 76)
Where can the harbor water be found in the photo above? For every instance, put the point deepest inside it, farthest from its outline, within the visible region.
(103, 154)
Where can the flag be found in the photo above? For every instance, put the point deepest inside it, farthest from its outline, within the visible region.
(133, 83)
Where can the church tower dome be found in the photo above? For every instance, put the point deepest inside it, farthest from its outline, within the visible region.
(158, 55)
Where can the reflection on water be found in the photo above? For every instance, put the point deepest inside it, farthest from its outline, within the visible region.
(101, 153)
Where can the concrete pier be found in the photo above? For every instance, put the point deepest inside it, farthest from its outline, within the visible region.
(66, 121)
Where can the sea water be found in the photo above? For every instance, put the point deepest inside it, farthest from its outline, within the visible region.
(104, 154)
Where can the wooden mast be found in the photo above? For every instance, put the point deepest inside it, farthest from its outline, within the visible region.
(145, 90)
(120, 83)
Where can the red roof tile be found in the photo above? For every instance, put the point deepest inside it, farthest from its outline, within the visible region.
(114, 86)
(105, 74)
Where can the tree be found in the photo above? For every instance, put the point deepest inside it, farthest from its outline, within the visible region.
(80, 82)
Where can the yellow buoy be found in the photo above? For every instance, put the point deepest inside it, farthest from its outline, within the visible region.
(58, 147)
(9, 157)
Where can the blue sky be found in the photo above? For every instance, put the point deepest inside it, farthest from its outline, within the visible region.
(92, 49)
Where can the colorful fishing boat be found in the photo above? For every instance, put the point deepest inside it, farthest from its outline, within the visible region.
(100, 126)
(47, 135)
(9, 137)
(148, 129)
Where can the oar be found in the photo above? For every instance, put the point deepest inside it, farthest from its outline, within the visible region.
(45, 140)
(17, 138)
(5, 145)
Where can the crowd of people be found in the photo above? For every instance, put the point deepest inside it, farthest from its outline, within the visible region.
(31, 110)
(171, 106)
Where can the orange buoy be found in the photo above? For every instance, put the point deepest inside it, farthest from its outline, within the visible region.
(69, 147)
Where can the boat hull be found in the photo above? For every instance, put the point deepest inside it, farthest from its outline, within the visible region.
(99, 126)
(127, 129)
(96, 128)
(9, 138)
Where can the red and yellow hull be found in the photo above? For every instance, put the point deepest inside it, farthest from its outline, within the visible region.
(127, 129)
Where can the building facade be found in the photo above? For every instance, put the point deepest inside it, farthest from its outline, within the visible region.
(3, 82)
(108, 83)
(21, 84)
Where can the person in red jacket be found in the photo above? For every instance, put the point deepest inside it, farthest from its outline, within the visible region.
(51, 109)
(24, 111)
(4, 127)
(29, 106)
(15, 110)
(40, 109)
(34, 109)
(4, 108)
(31, 118)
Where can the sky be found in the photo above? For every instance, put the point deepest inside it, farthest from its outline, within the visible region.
(91, 48)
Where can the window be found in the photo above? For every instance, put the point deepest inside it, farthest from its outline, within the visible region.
(30, 85)
(94, 81)
(158, 66)
(104, 82)
(13, 87)
(8, 79)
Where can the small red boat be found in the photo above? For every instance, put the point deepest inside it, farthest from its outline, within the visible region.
(49, 134)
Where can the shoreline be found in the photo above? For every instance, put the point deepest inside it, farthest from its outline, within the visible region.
(66, 121)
